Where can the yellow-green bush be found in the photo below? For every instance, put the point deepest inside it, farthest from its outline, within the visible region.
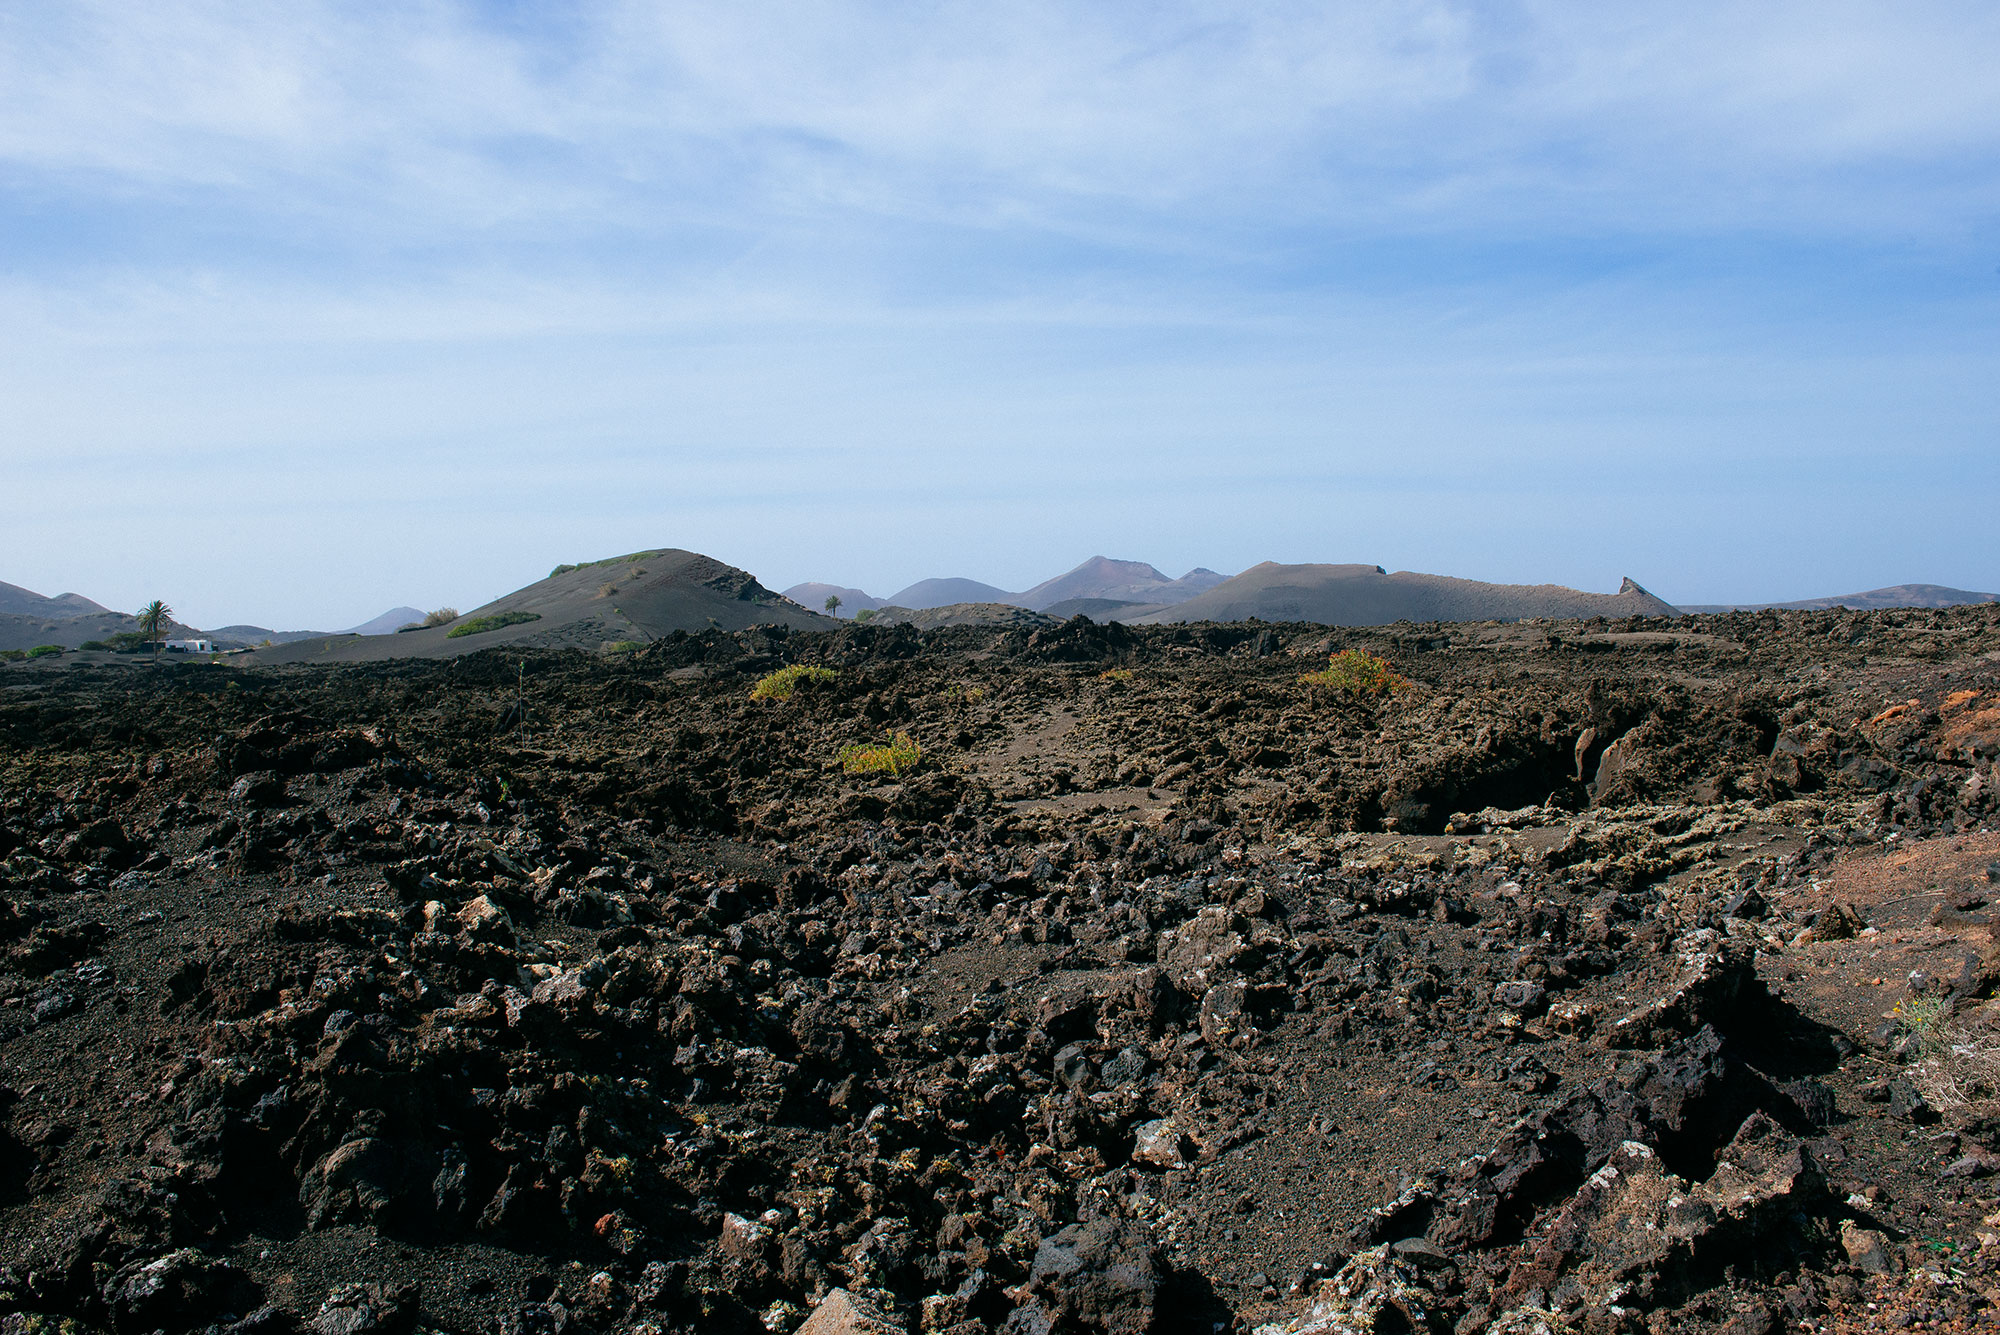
(1116, 675)
(899, 756)
(779, 685)
(1356, 672)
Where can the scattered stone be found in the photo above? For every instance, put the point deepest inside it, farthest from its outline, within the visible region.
(258, 790)
(651, 1020)
(1103, 1276)
(179, 1289)
(1376, 1290)
(1523, 996)
(1160, 1143)
(1717, 984)
(485, 920)
(844, 1313)
(1906, 1100)
(1866, 1248)
(366, 1309)
(1977, 1162)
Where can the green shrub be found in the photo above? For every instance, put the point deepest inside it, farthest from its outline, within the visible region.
(899, 756)
(12, 655)
(444, 616)
(96, 646)
(624, 646)
(480, 625)
(626, 559)
(128, 642)
(865, 614)
(779, 685)
(45, 651)
(1356, 672)
(1116, 675)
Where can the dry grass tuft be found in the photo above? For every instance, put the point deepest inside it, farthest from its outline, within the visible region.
(1952, 1064)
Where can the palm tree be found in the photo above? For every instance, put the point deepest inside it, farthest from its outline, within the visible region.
(153, 618)
(833, 604)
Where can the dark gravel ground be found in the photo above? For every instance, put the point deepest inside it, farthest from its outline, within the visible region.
(1627, 975)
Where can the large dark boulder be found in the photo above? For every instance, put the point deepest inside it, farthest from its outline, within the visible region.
(1105, 1275)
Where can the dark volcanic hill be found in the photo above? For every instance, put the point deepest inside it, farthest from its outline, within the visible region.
(1895, 595)
(17, 601)
(638, 598)
(1363, 595)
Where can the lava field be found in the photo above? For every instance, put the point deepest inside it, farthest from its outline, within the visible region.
(1629, 976)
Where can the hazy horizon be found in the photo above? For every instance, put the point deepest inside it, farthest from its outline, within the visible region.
(310, 312)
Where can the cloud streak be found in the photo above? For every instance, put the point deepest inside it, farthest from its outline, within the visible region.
(429, 116)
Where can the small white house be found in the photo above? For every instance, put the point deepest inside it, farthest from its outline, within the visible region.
(188, 646)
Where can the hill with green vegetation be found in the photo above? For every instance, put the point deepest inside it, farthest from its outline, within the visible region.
(639, 597)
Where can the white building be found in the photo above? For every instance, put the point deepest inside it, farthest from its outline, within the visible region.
(188, 646)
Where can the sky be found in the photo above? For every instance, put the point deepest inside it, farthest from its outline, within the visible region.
(311, 310)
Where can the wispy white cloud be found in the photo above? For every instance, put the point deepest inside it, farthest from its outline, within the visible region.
(1426, 114)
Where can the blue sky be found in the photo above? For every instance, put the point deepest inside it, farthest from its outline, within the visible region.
(307, 310)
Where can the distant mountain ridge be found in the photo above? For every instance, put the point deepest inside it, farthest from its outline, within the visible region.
(644, 595)
(234, 636)
(1894, 595)
(26, 632)
(813, 596)
(1119, 581)
(929, 593)
(388, 623)
(17, 601)
(1365, 595)
(1101, 578)
(1107, 589)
